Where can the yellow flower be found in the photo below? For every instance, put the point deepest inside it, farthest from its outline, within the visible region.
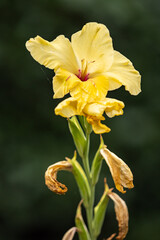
(92, 111)
(88, 66)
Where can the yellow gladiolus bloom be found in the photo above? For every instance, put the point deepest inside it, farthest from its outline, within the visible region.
(92, 111)
(87, 67)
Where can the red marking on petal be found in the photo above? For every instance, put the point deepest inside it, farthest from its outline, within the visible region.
(68, 77)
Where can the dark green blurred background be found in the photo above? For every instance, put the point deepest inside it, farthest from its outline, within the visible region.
(32, 137)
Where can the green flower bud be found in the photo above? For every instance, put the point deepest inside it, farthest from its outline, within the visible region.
(81, 226)
(99, 212)
(77, 134)
(81, 180)
(97, 163)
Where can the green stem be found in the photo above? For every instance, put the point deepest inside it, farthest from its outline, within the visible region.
(85, 158)
(89, 212)
(89, 209)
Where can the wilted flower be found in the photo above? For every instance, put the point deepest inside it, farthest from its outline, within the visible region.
(51, 176)
(122, 216)
(120, 171)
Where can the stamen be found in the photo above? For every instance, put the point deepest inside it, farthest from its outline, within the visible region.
(79, 74)
(86, 77)
(82, 73)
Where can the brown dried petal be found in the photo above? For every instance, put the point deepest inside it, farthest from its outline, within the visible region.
(121, 173)
(121, 215)
(70, 234)
(51, 176)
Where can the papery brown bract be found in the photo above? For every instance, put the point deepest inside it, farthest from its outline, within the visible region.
(69, 235)
(51, 176)
(122, 217)
(120, 171)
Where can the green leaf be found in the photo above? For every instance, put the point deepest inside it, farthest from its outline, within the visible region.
(81, 226)
(81, 180)
(97, 163)
(77, 134)
(99, 212)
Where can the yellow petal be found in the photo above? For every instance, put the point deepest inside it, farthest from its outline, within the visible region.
(97, 126)
(59, 83)
(121, 215)
(113, 84)
(94, 44)
(67, 108)
(95, 109)
(123, 72)
(55, 54)
(51, 176)
(113, 107)
(121, 173)
(93, 89)
(63, 82)
(82, 93)
(101, 84)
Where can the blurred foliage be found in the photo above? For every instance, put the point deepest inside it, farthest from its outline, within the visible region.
(32, 137)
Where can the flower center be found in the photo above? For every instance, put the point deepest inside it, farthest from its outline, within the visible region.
(83, 74)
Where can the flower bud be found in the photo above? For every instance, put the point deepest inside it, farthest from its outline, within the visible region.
(80, 224)
(97, 163)
(77, 134)
(99, 211)
(81, 180)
